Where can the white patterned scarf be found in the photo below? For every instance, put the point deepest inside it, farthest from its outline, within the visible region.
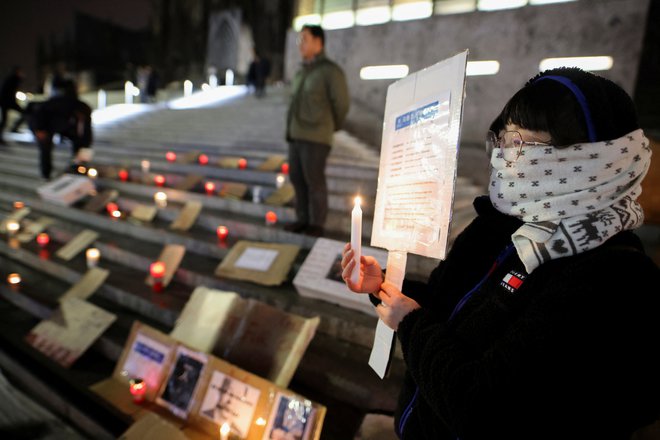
(571, 199)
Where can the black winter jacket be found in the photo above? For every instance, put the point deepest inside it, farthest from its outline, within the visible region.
(568, 352)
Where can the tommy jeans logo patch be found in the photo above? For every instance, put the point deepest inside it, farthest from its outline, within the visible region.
(512, 281)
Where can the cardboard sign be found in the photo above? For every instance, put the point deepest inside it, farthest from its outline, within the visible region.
(98, 202)
(17, 215)
(80, 242)
(70, 331)
(189, 157)
(232, 190)
(252, 335)
(144, 213)
(276, 272)
(281, 196)
(66, 189)
(87, 285)
(32, 229)
(272, 163)
(189, 182)
(229, 162)
(171, 256)
(268, 341)
(187, 216)
(205, 317)
(417, 173)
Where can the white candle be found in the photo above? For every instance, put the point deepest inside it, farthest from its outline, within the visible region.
(356, 239)
(93, 256)
(161, 199)
(12, 227)
(280, 180)
(146, 166)
(224, 431)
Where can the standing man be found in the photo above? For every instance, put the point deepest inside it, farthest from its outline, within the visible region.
(318, 107)
(8, 97)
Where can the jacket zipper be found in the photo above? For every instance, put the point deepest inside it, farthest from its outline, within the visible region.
(500, 258)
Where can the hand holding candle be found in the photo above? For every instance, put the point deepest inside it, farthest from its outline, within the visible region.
(356, 239)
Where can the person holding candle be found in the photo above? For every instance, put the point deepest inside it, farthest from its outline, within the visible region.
(318, 107)
(542, 321)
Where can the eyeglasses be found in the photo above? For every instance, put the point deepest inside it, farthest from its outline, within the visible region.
(511, 144)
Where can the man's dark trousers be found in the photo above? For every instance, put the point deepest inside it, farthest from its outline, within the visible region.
(307, 173)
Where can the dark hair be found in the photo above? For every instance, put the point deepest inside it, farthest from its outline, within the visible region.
(552, 106)
(316, 31)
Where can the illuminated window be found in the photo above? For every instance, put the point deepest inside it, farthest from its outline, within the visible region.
(476, 68)
(411, 9)
(307, 12)
(454, 6)
(395, 71)
(547, 2)
(494, 5)
(585, 63)
(337, 14)
(372, 12)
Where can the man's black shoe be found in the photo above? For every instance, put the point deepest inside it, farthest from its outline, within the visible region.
(295, 227)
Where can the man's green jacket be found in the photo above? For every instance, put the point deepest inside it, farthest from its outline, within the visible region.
(319, 102)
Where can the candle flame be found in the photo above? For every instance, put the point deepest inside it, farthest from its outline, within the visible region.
(358, 201)
(224, 429)
(261, 421)
(14, 278)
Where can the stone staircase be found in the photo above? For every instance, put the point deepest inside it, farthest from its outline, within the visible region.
(334, 369)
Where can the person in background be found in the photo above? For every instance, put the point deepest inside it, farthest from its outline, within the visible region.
(318, 107)
(258, 72)
(543, 320)
(8, 101)
(65, 115)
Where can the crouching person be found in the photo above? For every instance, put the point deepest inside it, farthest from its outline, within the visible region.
(66, 115)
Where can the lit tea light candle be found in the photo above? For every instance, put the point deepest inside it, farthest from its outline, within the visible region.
(170, 156)
(356, 238)
(138, 388)
(159, 180)
(160, 198)
(111, 207)
(123, 175)
(116, 214)
(260, 421)
(271, 218)
(242, 163)
(279, 180)
(12, 227)
(92, 173)
(14, 279)
(19, 205)
(222, 232)
(93, 256)
(82, 170)
(224, 431)
(285, 168)
(146, 166)
(203, 159)
(43, 239)
(210, 188)
(157, 271)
